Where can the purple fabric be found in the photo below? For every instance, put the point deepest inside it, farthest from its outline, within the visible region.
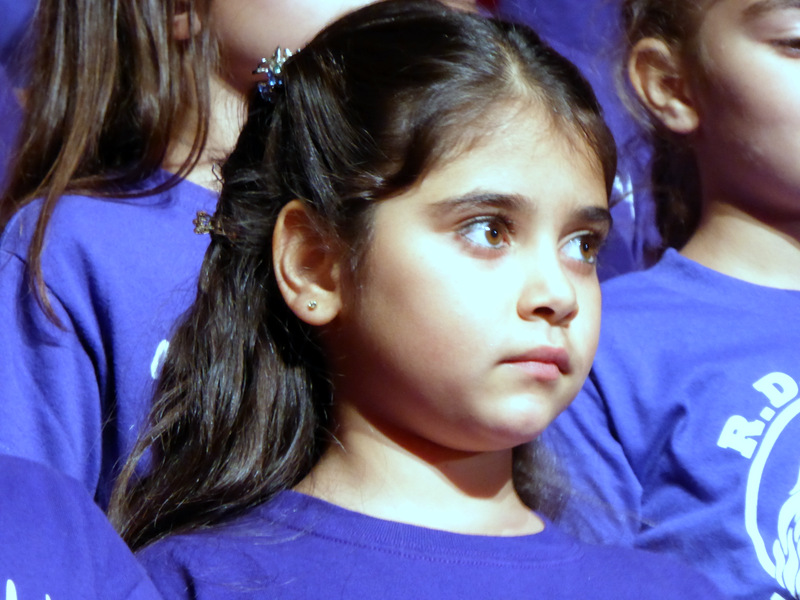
(10, 117)
(55, 543)
(684, 439)
(298, 547)
(16, 19)
(14, 44)
(118, 273)
(14, 28)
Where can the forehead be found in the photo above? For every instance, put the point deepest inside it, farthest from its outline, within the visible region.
(725, 20)
(749, 10)
(525, 123)
(756, 8)
(523, 150)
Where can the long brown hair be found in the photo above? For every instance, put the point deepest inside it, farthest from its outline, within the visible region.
(242, 408)
(108, 82)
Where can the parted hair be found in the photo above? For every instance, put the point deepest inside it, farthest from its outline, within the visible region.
(108, 84)
(675, 181)
(242, 407)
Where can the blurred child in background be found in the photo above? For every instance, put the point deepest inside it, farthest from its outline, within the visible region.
(687, 429)
(129, 105)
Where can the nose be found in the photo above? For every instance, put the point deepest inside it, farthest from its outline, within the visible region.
(549, 292)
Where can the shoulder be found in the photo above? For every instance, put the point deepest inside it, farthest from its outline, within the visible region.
(659, 283)
(113, 245)
(628, 572)
(212, 562)
(80, 221)
(645, 305)
(678, 299)
(54, 540)
(38, 498)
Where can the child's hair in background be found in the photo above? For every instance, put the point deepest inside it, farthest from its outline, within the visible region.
(108, 85)
(674, 178)
(372, 104)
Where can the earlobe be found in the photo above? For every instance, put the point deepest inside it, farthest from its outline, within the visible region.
(185, 24)
(661, 84)
(307, 268)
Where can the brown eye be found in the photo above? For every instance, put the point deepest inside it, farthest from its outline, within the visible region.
(488, 232)
(583, 247)
(494, 235)
(587, 251)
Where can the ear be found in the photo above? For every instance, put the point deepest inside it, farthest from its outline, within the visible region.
(185, 24)
(660, 81)
(307, 268)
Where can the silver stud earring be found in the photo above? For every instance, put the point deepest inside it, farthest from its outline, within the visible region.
(312, 304)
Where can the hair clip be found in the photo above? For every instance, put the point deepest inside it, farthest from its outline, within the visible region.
(206, 223)
(273, 69)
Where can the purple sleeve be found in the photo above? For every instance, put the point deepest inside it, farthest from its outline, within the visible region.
(54, 541)
(49, 407)
(604, 504)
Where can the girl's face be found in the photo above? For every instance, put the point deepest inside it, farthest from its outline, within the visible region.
(477, 306)
(248, 30)
(748, 103)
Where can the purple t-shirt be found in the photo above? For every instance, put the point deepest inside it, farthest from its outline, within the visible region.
(119, 273)
(56, 544)
(298, 547)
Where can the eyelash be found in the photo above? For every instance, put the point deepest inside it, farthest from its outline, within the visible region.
(588, 242)
(790, 46)
(482, 226)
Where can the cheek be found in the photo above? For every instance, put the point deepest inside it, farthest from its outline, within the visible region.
(405, 291)
(418, 298)
(588, 326)
(740, 91)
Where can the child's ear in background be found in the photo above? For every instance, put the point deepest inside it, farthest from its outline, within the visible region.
(185, 24)
(307, 267)
(662, 85)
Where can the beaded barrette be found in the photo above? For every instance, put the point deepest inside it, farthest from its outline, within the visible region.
(206, 223)
(273, 69)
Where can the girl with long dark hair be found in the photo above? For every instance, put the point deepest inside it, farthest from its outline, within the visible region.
(400, 292)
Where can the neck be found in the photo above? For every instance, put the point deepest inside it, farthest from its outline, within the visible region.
(413, 481)
(227, 119)
(756, 250)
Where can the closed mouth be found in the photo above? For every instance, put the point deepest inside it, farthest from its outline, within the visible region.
(544, 355)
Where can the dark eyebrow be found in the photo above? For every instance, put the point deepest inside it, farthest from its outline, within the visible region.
(596, 215)
(474, 200)
(762, 7)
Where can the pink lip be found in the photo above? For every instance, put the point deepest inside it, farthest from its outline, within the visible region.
(545, 363)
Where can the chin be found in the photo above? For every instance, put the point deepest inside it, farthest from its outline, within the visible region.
(507, 436)
(528, 416)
